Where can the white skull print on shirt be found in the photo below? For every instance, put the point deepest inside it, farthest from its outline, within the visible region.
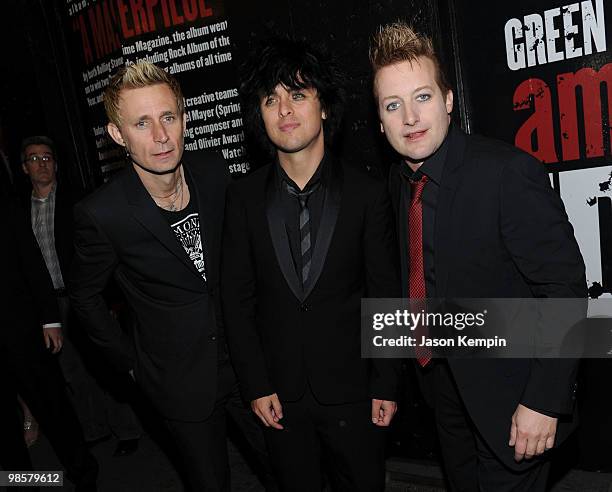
(187, 231)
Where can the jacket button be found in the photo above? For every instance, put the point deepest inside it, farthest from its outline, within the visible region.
(212, 338)
(304, 307)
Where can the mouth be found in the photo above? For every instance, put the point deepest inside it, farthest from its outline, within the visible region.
(163, 155)
(413, 136)
(287, 127)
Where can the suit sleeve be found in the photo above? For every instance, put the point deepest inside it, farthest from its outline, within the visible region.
(540, 239)
(238, 293)
(94, 262)
(382, 281)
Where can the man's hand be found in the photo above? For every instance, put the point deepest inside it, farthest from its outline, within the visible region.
(53, 339)
(383, 411)
(531, 433)
(269, 410)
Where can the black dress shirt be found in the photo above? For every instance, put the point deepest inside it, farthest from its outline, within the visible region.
(433, 168)
(291, 208)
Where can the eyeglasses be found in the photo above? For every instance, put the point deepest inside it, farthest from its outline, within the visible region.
(39, 158)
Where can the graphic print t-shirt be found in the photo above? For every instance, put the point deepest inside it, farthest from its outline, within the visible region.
(186, 227)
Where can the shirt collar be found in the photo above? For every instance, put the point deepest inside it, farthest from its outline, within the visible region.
(433, 167)
(319, 175)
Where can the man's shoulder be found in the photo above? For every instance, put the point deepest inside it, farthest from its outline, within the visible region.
(490, 159)
(361, 176)
(108, 196)
(496, 151)
(252, 183)
(66, 196)
(206, 164)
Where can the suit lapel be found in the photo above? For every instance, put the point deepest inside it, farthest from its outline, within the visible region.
(451, 179)
(145, 211)
(207, 234)
(278, 233)
(329, 215)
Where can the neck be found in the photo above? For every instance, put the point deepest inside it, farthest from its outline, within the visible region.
(42, 190)
(414, 165)
(159, 184)
(301, 166)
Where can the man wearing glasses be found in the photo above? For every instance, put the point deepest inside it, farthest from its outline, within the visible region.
(38, 163)
(50, 211)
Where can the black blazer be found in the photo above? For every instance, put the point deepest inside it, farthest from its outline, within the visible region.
(27, 292)
(282, 337)
(120, 231)
(501, 231)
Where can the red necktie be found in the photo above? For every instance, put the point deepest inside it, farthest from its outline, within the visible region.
(416, 279)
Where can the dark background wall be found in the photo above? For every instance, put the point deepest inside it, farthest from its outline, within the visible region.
(39, 94)
(345, 28)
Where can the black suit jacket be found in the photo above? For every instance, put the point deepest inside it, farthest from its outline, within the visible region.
(120, 231)
(27, 291)
(501, 231)
(282, 337)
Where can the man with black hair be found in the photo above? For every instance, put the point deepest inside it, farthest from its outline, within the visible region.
(306, 237)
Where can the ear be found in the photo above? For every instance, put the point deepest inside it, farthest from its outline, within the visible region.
(382, 128)
(25, 169)
(323, 114)
(184, 122)
(115, 134)
(449, 102)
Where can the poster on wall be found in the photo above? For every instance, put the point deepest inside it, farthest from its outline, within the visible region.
(190, 39)
(543, 82)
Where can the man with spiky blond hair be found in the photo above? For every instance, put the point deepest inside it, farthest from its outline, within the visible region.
(476, 218)
(156, 227)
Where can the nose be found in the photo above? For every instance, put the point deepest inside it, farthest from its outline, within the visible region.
(411, 115)
(160, 134)
(284, 107)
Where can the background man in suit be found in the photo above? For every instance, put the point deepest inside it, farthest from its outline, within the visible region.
(476, 218)
(49, 207)
(157, 228)
(26, 367)
(306, 237)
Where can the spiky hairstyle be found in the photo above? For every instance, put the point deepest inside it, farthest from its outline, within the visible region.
(295, 65)
(399, 42)
(136, 76)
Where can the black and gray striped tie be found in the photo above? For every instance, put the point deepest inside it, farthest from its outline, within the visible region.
(305, 243)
